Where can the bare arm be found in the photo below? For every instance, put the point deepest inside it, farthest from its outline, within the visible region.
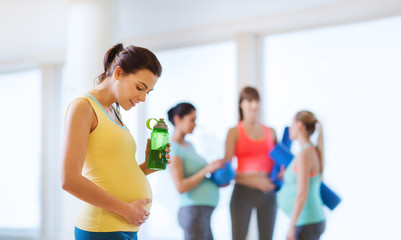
(79, 121)
(274, 135)
(231, 139)
(304, 170)
(184, 184)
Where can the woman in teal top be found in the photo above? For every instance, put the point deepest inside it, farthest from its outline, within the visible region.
(198, 195)
(299, 196)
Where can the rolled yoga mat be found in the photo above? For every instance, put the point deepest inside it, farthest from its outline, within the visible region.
(282, 155)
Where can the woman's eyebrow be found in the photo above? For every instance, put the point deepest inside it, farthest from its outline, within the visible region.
(144, 85)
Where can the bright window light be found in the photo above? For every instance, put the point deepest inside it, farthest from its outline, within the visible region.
(20, 128)
(350, 77)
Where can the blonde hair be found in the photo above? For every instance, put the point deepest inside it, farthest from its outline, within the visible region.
(309, 120)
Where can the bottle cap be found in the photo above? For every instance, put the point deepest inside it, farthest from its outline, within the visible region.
(160, 124)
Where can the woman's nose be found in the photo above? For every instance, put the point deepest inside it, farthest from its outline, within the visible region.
(142, 97)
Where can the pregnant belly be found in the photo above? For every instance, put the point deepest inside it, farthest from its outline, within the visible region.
(132, 189)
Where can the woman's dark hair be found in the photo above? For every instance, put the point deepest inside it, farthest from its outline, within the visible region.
(181, 109)
(247, 93)
(131, 59)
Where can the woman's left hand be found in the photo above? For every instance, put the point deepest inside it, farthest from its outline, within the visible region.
(280, 174)
(147, 151)
(291, 233)
(167, 150)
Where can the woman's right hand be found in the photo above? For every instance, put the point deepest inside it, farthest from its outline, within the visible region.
(136, 212)
(256, 181)
(265, 185)
(213, 166)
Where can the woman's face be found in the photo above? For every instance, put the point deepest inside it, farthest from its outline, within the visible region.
(295, 128)
(250, 108)
(133, 88)
(187, 123)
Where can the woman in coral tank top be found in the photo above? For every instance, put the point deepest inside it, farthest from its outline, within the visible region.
(251, 142)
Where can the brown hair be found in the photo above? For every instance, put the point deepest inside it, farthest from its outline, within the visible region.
(247, 93)
(131, 59)
(309, 120)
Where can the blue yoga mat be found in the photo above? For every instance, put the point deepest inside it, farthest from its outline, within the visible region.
(282, 155)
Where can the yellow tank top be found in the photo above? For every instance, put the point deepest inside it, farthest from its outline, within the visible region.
(110, 163)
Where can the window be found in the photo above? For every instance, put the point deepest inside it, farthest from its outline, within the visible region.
(350, 77)
(20, 128)
(204, 76)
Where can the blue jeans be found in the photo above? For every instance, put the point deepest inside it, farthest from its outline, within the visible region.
(85, 235)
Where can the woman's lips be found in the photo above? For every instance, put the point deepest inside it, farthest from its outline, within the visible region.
(132, 103)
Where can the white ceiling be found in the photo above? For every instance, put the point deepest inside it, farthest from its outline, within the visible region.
(37, 29)
(166, 16)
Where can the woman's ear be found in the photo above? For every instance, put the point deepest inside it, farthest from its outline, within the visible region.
(176, 119)
(300, 126)
(117, 72)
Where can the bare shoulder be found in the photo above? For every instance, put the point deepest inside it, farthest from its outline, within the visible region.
(273, 133)
(311, 152)
(80, 105)
(233, 133)
(303, 154)
(272, 130)
(307, 156)
(80, 110)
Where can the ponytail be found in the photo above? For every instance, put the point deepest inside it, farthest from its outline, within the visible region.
(109, 58)
(320, 146)
(131, 59)
(310, 122)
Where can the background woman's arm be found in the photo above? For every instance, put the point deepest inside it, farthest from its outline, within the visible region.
(274, 135)
(303, 167)
(231, 139)
(185, 184)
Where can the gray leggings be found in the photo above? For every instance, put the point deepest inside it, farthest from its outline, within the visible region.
(310, 231)
(195, 220)
(243, 200)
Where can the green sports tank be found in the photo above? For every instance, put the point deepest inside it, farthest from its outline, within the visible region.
(312, 211)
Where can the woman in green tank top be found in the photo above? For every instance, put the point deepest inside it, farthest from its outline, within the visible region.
(199, 195)
(299, 196)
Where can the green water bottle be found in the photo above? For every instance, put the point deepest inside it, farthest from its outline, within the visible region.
(158, 142)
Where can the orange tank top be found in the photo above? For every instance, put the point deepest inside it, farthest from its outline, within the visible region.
(253, 155)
